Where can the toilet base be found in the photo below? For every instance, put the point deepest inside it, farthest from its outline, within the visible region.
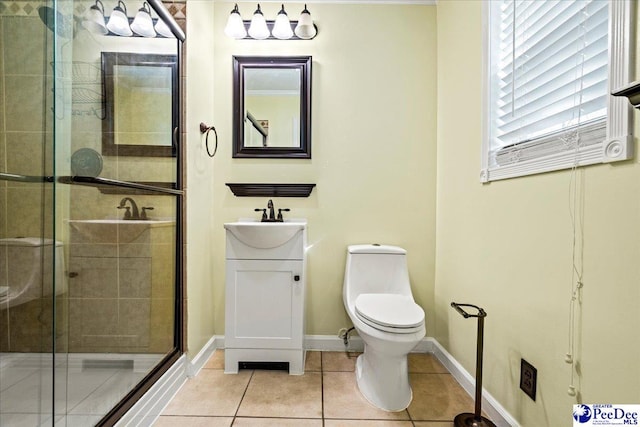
(383, 379)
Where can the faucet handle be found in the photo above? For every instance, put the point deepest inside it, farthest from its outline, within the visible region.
(143, 214)
(264, 213)
(280, 213)
(127, 212)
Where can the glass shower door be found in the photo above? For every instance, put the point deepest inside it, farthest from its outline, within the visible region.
(117, 212)
(89, 215)
(28, 329)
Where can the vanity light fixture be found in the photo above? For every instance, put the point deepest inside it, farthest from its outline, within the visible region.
(162, 29)
(235, 27)
(118, 21)
(259, 28)
(282, 27)
(143, 24)
(93, 19)
(305, 29)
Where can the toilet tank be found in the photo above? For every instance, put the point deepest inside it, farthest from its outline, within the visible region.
(27, 269)
(375, 269)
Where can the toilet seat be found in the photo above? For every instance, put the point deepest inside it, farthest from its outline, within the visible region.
(390, 312)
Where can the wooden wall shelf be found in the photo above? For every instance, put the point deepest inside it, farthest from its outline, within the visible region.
(271, 190)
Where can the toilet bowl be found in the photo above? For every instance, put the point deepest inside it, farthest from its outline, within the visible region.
(29, 270)
(378, 299)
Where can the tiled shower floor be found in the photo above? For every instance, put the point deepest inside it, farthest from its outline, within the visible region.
(326, 395)
(84, 392)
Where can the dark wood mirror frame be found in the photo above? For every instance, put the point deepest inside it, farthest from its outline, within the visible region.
(111, 59)
(303, 63)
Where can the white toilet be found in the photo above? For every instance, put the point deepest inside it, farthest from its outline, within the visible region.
(27, 270)
(377, 297)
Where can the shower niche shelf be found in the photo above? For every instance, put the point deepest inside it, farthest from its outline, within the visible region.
(270, 190)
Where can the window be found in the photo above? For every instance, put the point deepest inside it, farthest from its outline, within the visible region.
(551, 66)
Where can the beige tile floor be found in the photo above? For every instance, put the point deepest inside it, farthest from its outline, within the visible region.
(326, 395)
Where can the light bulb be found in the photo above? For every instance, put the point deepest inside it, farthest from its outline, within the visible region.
(258, 28)
(162, 29)
(143, 24)
(305, 28)
(118, 21)
(93, 19)
(235, 27)
(282, 27)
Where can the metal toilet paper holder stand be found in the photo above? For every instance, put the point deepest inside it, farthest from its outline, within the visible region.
(476, 419)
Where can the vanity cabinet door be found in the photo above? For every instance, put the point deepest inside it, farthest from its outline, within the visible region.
(264, 304)
(109, 304)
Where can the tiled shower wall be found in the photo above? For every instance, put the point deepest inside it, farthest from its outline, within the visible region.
(26, 127)
(135, 304)
(26, 148)
(26, 138)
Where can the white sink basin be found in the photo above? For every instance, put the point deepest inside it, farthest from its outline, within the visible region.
(121, 221)
(265, 235)
(124, 231)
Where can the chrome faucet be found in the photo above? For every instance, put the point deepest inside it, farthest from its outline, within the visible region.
(129, 214)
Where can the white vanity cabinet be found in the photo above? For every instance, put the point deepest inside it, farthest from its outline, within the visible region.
(265, 293)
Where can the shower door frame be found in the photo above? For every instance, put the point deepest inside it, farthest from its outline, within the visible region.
(179, 340)
(129, 400)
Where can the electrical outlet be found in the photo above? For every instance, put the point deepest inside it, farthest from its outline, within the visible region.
(528, 379)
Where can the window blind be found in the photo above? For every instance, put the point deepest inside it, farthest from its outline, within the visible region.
(549, 84)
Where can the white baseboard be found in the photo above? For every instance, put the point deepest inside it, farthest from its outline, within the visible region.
(332, 343)
(490, 405)
(197, 363)
(148, 408)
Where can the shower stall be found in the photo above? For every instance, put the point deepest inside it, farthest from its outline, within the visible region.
(90, 207)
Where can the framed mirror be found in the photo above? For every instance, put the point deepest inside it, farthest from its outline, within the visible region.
(141, 104)
(272, 107)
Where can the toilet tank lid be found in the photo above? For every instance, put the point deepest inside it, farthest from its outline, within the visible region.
(376, 249)
(28, 241)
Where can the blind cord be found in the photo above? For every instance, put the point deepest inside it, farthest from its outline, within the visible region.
(576, 213)
(513, 62)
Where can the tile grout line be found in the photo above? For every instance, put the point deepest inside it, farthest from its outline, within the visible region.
(235, 415)
(322, 388)
(323, 369)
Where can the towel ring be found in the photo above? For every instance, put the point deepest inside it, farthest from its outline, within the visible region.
(204, 129)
